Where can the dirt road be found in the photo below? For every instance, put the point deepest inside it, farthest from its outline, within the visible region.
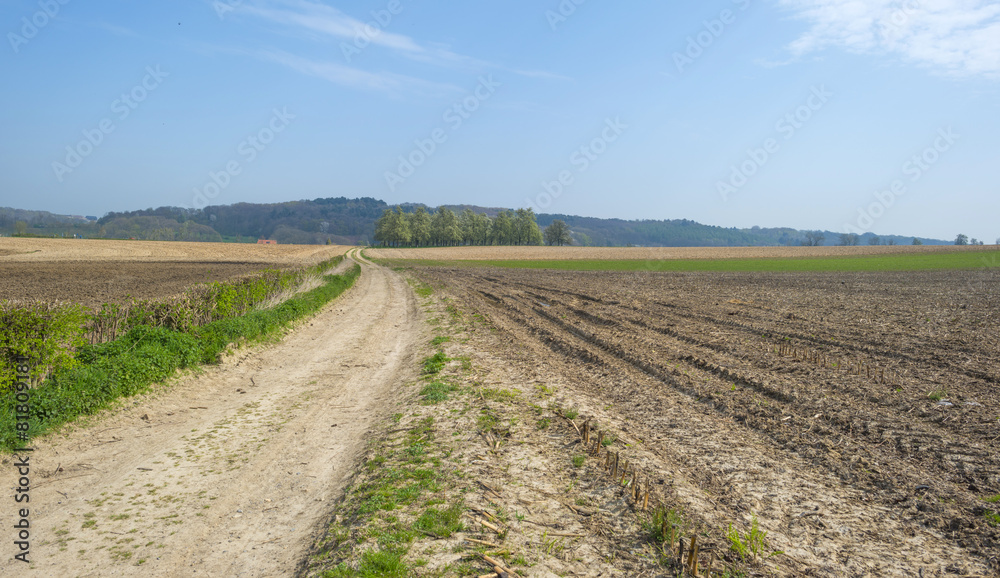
(227, 473)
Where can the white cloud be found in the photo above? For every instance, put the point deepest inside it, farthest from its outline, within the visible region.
(954, 37)
(326, 20)
(315, 20)
(355, 78)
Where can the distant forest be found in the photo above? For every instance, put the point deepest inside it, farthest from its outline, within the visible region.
(346, 221)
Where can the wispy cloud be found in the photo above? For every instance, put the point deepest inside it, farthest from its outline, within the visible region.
(117, 30)
(315, 20)
(324, 20)
(954, 37)
(356, 78)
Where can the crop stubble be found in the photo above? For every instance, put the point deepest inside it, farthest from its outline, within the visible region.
(741, 387)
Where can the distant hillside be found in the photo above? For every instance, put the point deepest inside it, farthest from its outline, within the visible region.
(687, 233)
(352, 221)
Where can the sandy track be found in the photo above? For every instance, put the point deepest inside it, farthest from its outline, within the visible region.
(202, 480)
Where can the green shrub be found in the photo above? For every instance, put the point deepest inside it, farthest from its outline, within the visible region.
(101, 374)
(45, 334)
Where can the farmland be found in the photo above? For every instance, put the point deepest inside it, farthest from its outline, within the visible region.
(855, 414)
(92, 272)
(851, 415)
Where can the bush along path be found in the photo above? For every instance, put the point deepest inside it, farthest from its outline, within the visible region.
(98, 375)
(482, 471)
(48, 334)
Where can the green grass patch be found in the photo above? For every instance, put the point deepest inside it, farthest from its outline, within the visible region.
(500, 394)
(440, 339)
(386, 563)
(896, 262)
(376, 514)
(441, 523)
(420, 288)
(436, 392)
(435, 363)
(487, 420)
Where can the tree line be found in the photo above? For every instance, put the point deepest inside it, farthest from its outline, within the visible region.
(443, 228)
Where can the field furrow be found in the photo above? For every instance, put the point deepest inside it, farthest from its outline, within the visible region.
(861, 444)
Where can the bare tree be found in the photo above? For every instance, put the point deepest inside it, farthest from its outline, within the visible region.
(814, 239)
(849, 239)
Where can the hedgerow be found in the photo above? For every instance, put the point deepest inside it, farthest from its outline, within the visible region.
(86, 378)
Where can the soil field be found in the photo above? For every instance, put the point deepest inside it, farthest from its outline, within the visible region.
(92, 284)
(35, 250)
(857, 416)
(654, 253)
(92, 272)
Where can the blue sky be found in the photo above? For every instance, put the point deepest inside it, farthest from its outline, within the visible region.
(844, 115)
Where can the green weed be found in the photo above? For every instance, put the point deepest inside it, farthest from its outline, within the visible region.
(441, 523)
(751, 545)
(436, 392)
(434, 364)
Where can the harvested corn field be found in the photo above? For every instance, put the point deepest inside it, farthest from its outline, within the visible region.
(855, 416)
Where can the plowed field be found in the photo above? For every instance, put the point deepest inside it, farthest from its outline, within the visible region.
(92, 272)
(856, 415)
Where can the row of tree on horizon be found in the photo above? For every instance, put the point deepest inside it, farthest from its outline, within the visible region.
(443, 228)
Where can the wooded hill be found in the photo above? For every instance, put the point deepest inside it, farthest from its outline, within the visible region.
(352, 221)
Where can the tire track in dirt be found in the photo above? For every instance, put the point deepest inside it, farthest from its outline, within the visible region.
(819, 498)
(835, 339)
(773, 384)
(227, 473)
